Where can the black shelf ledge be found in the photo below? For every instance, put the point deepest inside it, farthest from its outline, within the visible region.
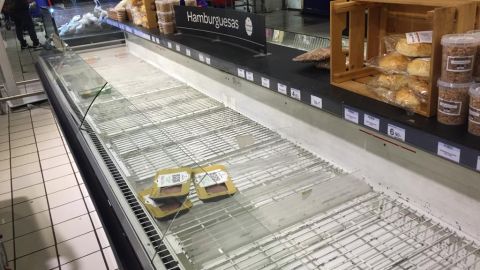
(311, 86)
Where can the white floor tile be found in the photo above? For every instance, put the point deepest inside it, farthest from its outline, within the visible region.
(6, 230)
(110, 258)
(90, 205)
(54, 162)
(65, 196)
(61, 183)
(34, 242)
(97, 224)
(25, 169)
(4, 138)
(4, 146)
(84, 190)
(14, 143)
(42, 260)
(5, 175)
(27, 149)
(5, 187)
(21, 127)
(52, 152)
(92, 261)
(45, 129)
(73, 228)
(42, 123)
(43, 117)
(68, 211)
(19, 115)
(25, 159)
(28, 193)
(6, 214)
(79, 178)
(27, 180)
(19, 122)
(48, 136)
(77, 247)
(49, 144)
(9, 249)
(57, 172)
(31, 207)
(5, 155)
(102, 236)
(21, 134)
(5, 199)
(32, 223)
(4, 165)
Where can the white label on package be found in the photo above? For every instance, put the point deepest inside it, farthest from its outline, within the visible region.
(169, 44)
(265, 82)
(419, 37)
(478, 163)
(249, 76)
(188, 52)
(351, 115)
(208, 61)
(295, 93)
(148, 200)
(448, 152)
(211, 178)
(201, 58)
(316, 101)
(396, 132)
(241, 73)
(177, 47)
(282, 88)
(172, 179)
(371, 122)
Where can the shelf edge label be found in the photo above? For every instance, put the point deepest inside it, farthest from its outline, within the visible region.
(296, 94)
(282, 88)
(188, 52)
(241, 73)
(169, 45)
(478, 163)
(316, 101)
(351, 115)
(265, 82)
(177, 47)
(449, 152)
(249, 76)
(201, 58)
(208, 60)
(396, 132)
(371, 122)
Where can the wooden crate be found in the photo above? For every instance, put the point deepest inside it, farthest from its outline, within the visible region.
(151, 13)
(376, 19)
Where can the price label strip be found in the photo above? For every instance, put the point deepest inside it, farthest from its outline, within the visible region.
(449, 152)
(249, 76)
(396, 132)
(265, 82)
(281, 88)
(371, 122)
(316, 101)
(296, 94)
(241, 73)
(351, 115)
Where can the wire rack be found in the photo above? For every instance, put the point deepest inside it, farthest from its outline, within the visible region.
(294, 210)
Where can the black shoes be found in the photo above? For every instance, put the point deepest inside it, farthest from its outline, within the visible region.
(24, 47)
(35, 46)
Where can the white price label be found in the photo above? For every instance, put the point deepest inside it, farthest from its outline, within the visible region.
(207, 59)
(449, 152)
(265, 82)
(188, 52)
(371, 122)
(316, 101)
(177, 47)
(396, 132)
(295, 93)
(282, 88)
(478, 163)
(169, 44)
(241, 73)
(249, 76)
(158, 40)
(351, 115)
(201, 58)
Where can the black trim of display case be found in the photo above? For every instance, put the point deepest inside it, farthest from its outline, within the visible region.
(311, 86)
(125, 245)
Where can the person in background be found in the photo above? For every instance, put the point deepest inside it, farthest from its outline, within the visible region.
(19, 12)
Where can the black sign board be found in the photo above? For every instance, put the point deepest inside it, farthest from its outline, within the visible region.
(244, 29)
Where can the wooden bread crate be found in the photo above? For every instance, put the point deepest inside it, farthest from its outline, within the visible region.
(375, 19)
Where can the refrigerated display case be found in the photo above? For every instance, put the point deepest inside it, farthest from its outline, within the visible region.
(145, 109)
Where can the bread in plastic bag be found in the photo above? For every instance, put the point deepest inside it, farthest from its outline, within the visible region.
(389, 81)
(384, 94)
(316, 55)
(407, 99)
(420, 88)
(398, 43)
(392, 63)
(419, 67)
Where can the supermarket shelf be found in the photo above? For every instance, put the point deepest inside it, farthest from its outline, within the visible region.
(311, 86)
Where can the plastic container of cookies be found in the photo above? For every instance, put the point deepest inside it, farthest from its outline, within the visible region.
(458, 57)
(166, 16)
(167, 27)
(452, 102)
(474, 110)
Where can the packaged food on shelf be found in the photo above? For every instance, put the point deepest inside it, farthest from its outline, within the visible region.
(419, 67)
(213, 183)
(167, 27)
(458, 55)
(420, 87)
(166, 16)
(174, 2)
(407, 99)
(474, 111)
(164, 6)
(476, 65)
(171, 183)
(452, 102)
(392, 63)
(389, 81)
(413, 49)
(164, 209)
(191, 3)
(385, 94)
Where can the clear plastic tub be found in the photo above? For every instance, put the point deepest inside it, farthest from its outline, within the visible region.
(458, 55)
(474, 111)
(167, 27)
(191, 3)
(164, 6)
(166, 16)
(452, 102)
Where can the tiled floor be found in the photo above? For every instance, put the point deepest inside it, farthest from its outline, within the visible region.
(47, 218)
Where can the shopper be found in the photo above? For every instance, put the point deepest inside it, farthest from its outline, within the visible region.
(19, 11)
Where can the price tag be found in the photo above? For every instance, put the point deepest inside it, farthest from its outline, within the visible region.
(281, 88)
(207, 59)
(188, 52)
(449, 152)
(201, 58)
(316, 101)
(396, 132)
(249, 76)
(478, 163)
(177, 47)
(351, 115)
(265, 82)
(241, 73)
(158, 40)
(371, 122)
(169, 44)
(295, 93)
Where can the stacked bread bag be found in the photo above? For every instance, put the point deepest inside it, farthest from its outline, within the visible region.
(404, 70)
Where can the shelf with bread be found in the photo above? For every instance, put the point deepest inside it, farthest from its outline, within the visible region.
(405, 73)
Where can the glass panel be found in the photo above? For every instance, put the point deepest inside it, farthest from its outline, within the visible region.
(299, 41)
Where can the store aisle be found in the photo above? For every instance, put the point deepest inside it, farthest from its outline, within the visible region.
(47, 218)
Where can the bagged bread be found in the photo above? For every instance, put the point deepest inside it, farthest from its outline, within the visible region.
(414, 49)
(392, 63)
(419, 67)
(389, 81)
(406, 99)
(420, 88)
